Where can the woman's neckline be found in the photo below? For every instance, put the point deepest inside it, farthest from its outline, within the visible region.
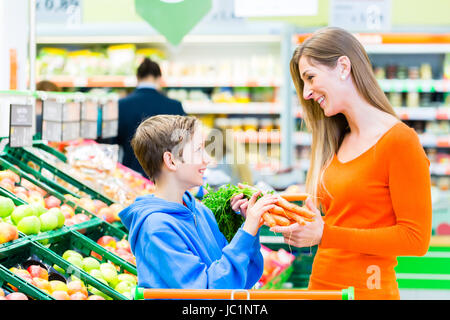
(370, 148)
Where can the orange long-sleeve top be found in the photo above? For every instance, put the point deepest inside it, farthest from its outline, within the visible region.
(376, 207)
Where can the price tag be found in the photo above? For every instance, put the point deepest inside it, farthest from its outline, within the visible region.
(89, 129)
(89, 111)
(52, 131)
(110, 129)
(71, 111)
(21, 125)
(110, 111)
(52, 110)
(70, 131)
(59, 11)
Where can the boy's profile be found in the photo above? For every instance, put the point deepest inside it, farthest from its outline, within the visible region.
(175, 238)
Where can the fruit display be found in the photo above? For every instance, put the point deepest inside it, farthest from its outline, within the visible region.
(105, 272)
(97, 167)
(120, 248)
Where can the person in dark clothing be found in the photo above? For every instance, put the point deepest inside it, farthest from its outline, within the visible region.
(144, 102)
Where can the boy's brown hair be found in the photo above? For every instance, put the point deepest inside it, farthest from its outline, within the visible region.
(158, 134)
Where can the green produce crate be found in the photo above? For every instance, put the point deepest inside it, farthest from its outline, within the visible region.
(5, 164)
(74, 240)
(100, 228)
(20, 157)
(17, 201)
(43, 146)
(20, 253)
(25, 156)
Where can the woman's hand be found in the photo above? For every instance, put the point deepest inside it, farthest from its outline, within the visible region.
(256, 209)
(307, 235)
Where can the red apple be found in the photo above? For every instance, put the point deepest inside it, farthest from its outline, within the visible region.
(107, 241)
(37, 272)
(16, 296)
(124, 244)
(67, 211)
(107, 214)
(60, 295)
(99, 205)
(76, 286)
(78, 296)
(52, 202)
(20, 189)
(79, 218)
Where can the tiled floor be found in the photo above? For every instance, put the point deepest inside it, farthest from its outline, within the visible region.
(422, 294)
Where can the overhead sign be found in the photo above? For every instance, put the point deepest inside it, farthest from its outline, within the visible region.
(278, 8)
(361, 15)
(173, 18)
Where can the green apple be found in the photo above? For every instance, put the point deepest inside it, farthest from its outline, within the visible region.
(97, 274)
(90, 263)
(76, 261)
(59, 215)
(21, 212)
(29, 225)
(59, 269)
(109, 273)
(38, 209)
(98, 292)
(49, 221)
(68, 253)
(127, 277)
(6, 207)
(124, 286)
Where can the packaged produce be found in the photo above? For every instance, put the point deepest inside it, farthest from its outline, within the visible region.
(121, 59)
(50, 61)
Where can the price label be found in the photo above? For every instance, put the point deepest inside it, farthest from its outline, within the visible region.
(110, 129)
(89, 129)
(110, 111)
(21, 125)
(71, 112)
(89, 111)
(52, 131)
(59, 11)
(52, 110)
(70, 131)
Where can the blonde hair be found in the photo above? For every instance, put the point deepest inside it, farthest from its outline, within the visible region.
(324, 47)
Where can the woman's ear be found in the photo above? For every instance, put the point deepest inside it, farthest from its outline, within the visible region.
(344, 67)
(169, 161)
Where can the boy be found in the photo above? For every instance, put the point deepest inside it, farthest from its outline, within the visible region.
(175, 238)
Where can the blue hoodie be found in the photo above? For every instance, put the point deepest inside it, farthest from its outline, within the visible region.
(179, 246)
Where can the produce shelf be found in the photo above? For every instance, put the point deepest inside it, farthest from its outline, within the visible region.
(31, 250)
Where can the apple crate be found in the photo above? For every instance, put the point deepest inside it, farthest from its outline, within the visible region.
(43, 146)
(73, 240)
(96, 230)
(5, 163)
(32, 252)
(17, 202)
(278, 281)
(21, 157)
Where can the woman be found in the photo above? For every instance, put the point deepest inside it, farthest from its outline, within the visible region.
(369, 174)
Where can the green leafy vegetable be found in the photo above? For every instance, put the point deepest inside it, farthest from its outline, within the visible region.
(219, 202)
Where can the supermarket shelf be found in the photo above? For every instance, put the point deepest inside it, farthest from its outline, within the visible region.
(408, 85)
(407, 48)
(200, 107)
(304, 138)
(130, 81)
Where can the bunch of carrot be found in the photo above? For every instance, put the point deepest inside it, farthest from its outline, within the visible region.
(286, 213)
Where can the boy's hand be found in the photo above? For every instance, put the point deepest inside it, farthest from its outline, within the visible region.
(256, 209)
(239, 204)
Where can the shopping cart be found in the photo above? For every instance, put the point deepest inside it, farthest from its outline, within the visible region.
(223, 294)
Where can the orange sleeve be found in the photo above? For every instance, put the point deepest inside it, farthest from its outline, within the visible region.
(410, 191)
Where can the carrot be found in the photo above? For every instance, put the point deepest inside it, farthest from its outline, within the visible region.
(294, 196)
(277, 210)
(295, 217)
(269, 219)
(281, 221)
(294, 208)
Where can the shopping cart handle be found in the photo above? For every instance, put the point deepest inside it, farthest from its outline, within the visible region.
(139, 293)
